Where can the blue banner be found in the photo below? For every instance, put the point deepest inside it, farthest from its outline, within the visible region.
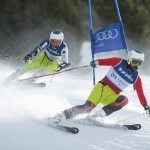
(107, 39)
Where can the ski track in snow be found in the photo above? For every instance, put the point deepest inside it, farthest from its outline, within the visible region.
(24, 110)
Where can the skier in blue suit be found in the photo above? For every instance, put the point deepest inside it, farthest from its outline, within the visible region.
(48, 57)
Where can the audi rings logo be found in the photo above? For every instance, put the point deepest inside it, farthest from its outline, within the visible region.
(106, 35)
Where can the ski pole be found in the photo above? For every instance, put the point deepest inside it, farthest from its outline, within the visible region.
(56, 72)
(52, 78)
(66, 65)
(5, 56)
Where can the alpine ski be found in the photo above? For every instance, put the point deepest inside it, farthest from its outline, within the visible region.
(73, 130)
(68, 129)
(95, 122)
(133, 127)
(40, 85)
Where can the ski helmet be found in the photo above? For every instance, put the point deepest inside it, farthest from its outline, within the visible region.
(56, 38)
(135, 58)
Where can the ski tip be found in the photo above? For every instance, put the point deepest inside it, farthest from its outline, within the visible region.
(133, 127)
(40, 85)
(43, 84)
(137, 126)
(75, 130)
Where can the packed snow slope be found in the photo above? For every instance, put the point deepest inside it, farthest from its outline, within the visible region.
(24, 111)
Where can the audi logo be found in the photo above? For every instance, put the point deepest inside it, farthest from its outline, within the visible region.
(109, 34)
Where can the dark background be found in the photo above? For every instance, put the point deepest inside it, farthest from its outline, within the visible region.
(25, 24)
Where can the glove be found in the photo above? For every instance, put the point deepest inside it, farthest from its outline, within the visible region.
(62, 66)
(59, 68)
(147, 109)
(94, 63)
(27, 57)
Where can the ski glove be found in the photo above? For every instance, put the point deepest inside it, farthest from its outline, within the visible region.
(27, 57)
(62, 66)
(94, 63)
(147, 109)
(59, 68)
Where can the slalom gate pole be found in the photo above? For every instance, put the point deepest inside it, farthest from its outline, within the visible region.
(5, 57)
(90, 23)
(119, 18)
(56, 73)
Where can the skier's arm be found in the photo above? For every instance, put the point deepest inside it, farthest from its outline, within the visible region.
(32, 54)
(105, 62)
(64, 55)
(64, 59)
(141, 96)
(40, 47)
(62, 66)
(36, 50)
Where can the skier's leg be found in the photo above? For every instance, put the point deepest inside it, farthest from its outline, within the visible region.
(38, 72)
(100, 94)
(36, 63)
(111, 100)
(120, 102)
(47, 66)
(31, 65)
(15, 75)
(39, 63)
(52, 66)
(94, 98)
(80, 109)
(73, 112)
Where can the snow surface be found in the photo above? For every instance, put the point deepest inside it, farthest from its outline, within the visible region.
(24, 111)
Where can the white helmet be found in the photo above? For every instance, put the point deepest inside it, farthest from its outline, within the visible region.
(57, 35)
(56, 38)
(135, 57)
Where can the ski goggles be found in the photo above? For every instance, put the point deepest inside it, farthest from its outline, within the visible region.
(55, 43)
(135, 62)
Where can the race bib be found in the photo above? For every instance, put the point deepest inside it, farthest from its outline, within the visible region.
(116, 79)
